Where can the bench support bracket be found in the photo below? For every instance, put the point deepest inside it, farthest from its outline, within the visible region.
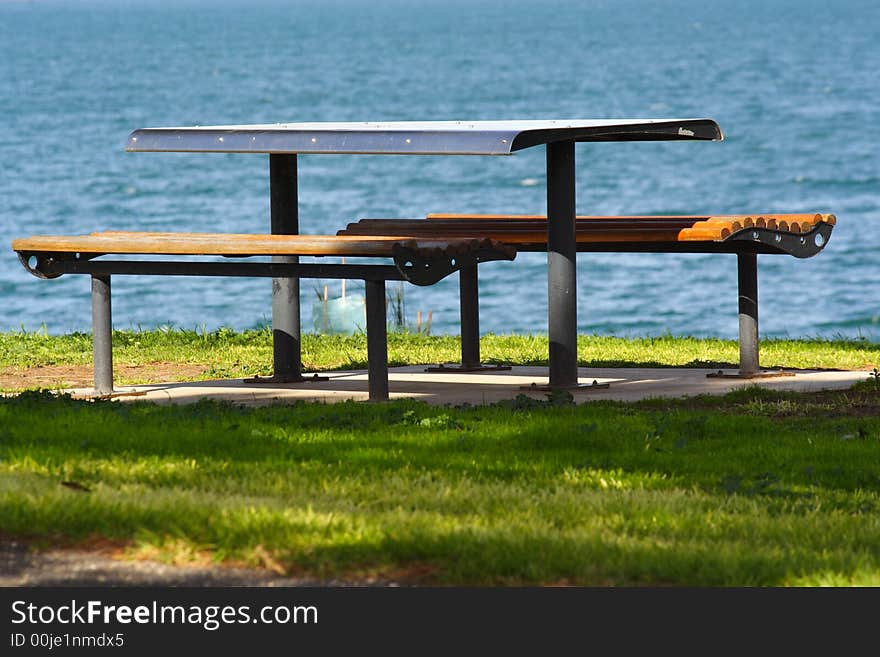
(428, 266)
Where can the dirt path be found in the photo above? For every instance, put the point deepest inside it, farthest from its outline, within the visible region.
(79, 376)
(20, 565)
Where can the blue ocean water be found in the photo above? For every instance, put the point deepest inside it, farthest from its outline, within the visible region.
(793, 84)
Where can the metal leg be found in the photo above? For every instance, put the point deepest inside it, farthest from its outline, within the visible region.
(102, 335)
(286, 345)
(747, 284)
(285, 327)
(561, 264)
(469, 304)
(377, 340)
(284, 210)
(562, 269)
(747, 280)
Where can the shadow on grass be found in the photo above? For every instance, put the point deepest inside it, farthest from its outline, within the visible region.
(529, 491)
(450, 550)
(724, 445)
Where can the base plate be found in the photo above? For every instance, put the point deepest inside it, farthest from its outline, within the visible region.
(595, 385)
(314, 378)
(763, 374)
(104, 396)
(454, 367)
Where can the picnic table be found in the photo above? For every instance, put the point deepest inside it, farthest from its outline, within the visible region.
(284, 141)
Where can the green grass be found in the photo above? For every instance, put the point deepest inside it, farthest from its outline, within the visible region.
(226, 353)
(755, 488)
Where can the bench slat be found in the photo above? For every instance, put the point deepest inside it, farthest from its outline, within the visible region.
(235, 244)
(531, 229)
(720, 228)
(537, 236)
(828, 218)
(505, 228)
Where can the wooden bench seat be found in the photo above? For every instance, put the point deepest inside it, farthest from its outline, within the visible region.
(418, 260)
(798, 235)
(243, 244)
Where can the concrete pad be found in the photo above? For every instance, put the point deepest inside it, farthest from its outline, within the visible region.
(627, 384)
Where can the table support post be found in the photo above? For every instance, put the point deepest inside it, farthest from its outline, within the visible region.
(377, 340)
(747, 281)
(561, 264)
(284, 209)
(102, 335)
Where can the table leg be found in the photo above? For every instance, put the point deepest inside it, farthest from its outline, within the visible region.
(562, 269)
(561, 264)
(102, 335)
(286, 339)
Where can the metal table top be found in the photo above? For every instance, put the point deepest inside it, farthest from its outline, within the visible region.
(413, 137)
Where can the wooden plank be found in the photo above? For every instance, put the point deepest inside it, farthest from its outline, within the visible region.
(810, 219)
(236, 244)
(441, 216)
(419, 226)
(813, 217)
(436, 236)
(718, 228)
(531, 236)
(522, 229)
